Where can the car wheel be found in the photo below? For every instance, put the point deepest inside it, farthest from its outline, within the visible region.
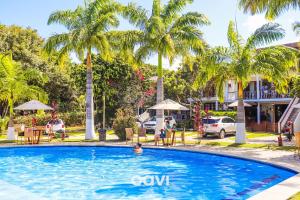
(222, 134)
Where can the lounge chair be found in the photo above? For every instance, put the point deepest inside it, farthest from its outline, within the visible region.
(182, 137)
(169, 137)
(19, 128)
(28, 135)
(142, 133)
(129, 134)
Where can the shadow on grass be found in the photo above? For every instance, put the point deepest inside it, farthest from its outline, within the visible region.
(249, 145)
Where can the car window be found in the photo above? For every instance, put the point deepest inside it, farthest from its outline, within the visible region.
(230, 120)
(225, 120)
(153, 119)
(210, 121)
(168, 118)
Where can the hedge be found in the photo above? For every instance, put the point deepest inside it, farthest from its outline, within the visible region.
(69, 119)
(231, 114)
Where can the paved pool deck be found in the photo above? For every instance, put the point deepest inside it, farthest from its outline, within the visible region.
(286, 159)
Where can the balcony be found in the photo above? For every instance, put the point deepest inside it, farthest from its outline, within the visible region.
(266, 94)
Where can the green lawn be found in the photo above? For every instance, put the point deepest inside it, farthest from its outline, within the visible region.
(76, 134)
(252, 135)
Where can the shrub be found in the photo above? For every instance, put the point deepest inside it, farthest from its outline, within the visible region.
(70, 119)
(124, 119)
(188, 123)
(3, 124)
(231, 114)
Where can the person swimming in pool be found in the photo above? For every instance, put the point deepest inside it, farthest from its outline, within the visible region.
(138, 148)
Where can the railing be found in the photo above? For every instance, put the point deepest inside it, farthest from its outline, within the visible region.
(231, 96)
(266, 94)
(263, 126)
(271, 94)
(250, 95)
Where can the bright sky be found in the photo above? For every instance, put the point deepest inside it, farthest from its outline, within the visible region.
(34, 14)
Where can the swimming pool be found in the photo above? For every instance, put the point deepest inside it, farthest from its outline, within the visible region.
(117, 173)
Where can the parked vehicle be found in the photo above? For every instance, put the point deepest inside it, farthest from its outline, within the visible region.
(150, 125)
(219, 126)
(57, 125)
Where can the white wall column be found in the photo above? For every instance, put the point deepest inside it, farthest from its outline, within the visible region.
(258, 113)
(257, 87)
(226, 91)
(217, 105)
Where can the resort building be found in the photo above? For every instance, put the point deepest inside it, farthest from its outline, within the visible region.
(267, 106)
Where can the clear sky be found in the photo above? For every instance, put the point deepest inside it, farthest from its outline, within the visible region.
(34, 14)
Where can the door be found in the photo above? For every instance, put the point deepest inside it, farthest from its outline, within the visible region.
(231, 124)
(225, 125)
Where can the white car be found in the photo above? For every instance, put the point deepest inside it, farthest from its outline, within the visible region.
(219, 126)
(56, 125)
(151, 124)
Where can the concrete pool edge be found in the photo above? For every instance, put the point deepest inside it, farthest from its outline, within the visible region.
(281, 191)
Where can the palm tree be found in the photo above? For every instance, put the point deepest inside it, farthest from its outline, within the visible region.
(14, 86)
(168, 34)
(88, 28)
(273, 8)
(242, 60)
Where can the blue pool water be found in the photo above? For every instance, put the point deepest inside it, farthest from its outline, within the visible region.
(115, 173)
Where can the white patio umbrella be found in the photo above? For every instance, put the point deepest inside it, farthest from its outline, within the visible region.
(235, 104)
(33, 105)
(297, 105)
(168, 104)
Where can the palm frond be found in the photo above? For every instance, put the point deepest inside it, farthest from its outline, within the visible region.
(191, 19)
(173, 7)
(266, 34)
(272, 8)
(296, 27)
(276, 64)
(233, 36)
(156, 8)
(136, 15)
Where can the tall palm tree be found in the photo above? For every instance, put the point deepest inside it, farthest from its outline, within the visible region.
(242, 60)
(167, 33)
(273, 8)
(14, 86)
(88, 27)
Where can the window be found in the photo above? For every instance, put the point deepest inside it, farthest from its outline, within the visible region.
(227, 120)
(210, 121)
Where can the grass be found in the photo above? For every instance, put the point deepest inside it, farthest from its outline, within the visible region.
(253, 135)
(77, 133)
(248, 145)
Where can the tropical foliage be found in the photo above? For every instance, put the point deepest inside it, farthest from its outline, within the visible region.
(167, 33)
(124, 119)
(14, 83)
(272, 8)
(242, 60)
(87, 30)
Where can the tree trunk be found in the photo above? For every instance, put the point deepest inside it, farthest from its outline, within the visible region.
(90, 127)
(240, 137)
(104, 108)
(160, 96)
